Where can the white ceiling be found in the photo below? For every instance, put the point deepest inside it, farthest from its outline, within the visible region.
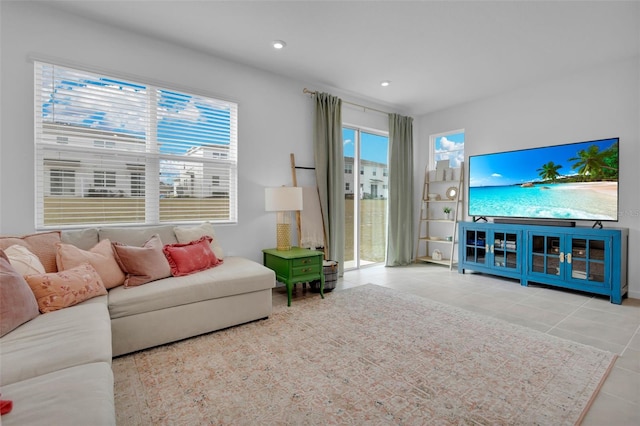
(436, 53)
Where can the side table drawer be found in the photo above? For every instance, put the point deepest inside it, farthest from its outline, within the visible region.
(305, 261)
(299, 271)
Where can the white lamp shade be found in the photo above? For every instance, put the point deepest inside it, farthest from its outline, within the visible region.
(283, 198)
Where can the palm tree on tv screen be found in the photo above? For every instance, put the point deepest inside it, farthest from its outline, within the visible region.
(594, 164)
(549, 171)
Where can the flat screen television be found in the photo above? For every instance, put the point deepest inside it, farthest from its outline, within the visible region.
(575, 181)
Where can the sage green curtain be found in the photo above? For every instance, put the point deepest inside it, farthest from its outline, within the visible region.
(400, 206)
(329, 162)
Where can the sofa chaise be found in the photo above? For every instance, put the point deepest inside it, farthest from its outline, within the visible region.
(56, 367)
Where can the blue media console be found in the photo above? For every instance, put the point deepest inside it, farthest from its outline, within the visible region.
(578, 258)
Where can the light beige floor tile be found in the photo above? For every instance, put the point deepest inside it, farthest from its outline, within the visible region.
(587, 340)
(629, 360)
(610, 318)
(525, 322)
(609, 410)
(634, 343)
(630, 307)
(548, 304)
(597, 330)
(624, 384)
(534, 313)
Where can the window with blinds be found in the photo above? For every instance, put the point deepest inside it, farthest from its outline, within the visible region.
(111, 151)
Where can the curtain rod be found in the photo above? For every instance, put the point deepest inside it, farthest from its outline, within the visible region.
(365, 108)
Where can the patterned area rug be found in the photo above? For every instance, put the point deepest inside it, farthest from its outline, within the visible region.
(366, 355)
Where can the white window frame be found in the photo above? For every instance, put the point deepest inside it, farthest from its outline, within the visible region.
(153, 154)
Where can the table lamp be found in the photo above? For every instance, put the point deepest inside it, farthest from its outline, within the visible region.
(284, 200)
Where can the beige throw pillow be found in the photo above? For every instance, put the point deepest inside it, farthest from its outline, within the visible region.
(23, 261)
(100, 256)
(142, 264)
(186, 234)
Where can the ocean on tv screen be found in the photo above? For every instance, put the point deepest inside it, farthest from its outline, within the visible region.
(577, 201)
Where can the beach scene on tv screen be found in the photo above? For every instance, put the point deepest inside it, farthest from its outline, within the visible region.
(573, 181)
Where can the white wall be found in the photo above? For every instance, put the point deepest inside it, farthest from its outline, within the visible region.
(592, 104)
(275, 117)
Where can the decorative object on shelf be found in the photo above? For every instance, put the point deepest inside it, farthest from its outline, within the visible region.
(442, 169)
(447, 211)
(449, 238)
(433, 197)
(283, 200)
(436, 255)
(452, 193)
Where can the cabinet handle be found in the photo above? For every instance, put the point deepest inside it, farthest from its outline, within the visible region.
(561, 257)
(568, 257)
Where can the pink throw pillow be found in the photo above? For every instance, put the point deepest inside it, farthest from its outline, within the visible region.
(100, 256)
(142, 264)
(17, 302)
(188, 258)
(58, 290)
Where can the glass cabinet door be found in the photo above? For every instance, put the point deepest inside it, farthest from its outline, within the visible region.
(547, 256)
(475, 246)
(587, 260)
(505, 250)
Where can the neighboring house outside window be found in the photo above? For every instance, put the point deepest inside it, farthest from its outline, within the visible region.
(102, 137)
(62, 182)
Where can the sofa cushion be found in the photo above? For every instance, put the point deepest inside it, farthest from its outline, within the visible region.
(185, 234)
(191, 257)
(137, 236)
(60, 339)
(81, 238)
(81, 395)
(142, 264)
(236, 275)
(100, 256)
(58, 290)
(23, 261)
(17, 303)
(42, 245)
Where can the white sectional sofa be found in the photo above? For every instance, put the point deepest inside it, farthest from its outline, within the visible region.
(56, 368)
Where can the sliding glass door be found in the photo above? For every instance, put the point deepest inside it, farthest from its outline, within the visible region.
(366, 180)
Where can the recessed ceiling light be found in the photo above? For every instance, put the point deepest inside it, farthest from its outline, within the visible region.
(385, 83)
(278, 44)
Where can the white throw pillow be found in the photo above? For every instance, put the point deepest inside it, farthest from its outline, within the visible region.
(23, 261)
(186, 234)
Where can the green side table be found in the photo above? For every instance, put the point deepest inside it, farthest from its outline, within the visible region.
(297, 265)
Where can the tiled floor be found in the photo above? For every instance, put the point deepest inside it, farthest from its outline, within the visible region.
(574, 316)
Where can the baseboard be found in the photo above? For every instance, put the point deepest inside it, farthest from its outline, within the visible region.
(541, 222)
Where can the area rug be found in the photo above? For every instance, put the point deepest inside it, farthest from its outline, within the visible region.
(366, 355)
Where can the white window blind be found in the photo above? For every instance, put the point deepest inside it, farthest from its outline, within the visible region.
(110, 151)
